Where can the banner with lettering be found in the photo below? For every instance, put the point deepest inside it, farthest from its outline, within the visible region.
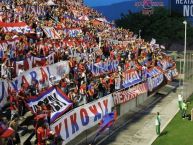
(154, 77)
(125, 96)
(171, 73)
(154, 82)
(36, 74)
(165, 64)
(74, 32)
(51, 33)
(103, 67)
(118, 83)
(3, 92)
(130, 78)
(39, 73)
(4, 45)
(19, 27)
(36, 9)
(57, 100)
(82, 118)
(71, 32)
(32, 61)
(154, 71)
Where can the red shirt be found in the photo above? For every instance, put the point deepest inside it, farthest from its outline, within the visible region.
(46, 50)
(111, 81)
(42, 135)
(63, 84)
(13, 102)
(127, 65)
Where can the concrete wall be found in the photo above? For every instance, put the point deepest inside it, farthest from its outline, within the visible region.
(128, 106)
(122, 109)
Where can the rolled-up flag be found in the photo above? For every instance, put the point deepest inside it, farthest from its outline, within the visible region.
(107, 121)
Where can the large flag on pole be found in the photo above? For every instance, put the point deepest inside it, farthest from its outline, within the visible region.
(107, 121)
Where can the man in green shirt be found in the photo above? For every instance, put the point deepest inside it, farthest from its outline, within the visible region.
(180, 102)
(184, 109)
(158, 123)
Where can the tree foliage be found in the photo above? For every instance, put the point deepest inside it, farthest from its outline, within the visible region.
(166, 28)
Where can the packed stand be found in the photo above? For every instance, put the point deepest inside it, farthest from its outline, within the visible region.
(96, 41)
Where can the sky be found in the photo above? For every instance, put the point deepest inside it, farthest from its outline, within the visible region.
(101, 2)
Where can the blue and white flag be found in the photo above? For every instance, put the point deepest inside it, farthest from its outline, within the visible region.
(53, 97)
(103, 67)
(130, 78)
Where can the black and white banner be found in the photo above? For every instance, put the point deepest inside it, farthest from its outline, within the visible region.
(53, 97)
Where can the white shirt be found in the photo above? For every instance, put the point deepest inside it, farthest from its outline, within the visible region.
(3, 70)
(156, 120)
(180, 98)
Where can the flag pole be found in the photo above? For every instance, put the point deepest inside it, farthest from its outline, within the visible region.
(94, 139)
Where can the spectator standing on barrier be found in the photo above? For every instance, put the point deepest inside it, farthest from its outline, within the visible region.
(158, 123)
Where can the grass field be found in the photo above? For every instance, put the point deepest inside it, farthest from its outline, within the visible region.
(178, 132)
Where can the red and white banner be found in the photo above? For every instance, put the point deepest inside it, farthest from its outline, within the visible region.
(4, 43)
(125, 96)
(165, 64)
(57, 100)
(171, 73)
(19, 24)
(36, 74)
(19, 27)
(32, 61)
(130, 78)
(51, 33)
(82, 118)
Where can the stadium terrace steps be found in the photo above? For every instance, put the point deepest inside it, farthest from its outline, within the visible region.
(165, 90)
(27, 128)
(139, 129)
(132, 116)
(25, 118)
(81, 139)
(33, 140)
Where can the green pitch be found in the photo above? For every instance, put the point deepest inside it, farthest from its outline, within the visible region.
(178, 131)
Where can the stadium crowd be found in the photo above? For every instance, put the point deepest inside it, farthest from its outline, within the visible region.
(97, 42)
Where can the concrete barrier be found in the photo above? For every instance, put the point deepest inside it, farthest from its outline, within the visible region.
(122, 109)
(132, 104)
